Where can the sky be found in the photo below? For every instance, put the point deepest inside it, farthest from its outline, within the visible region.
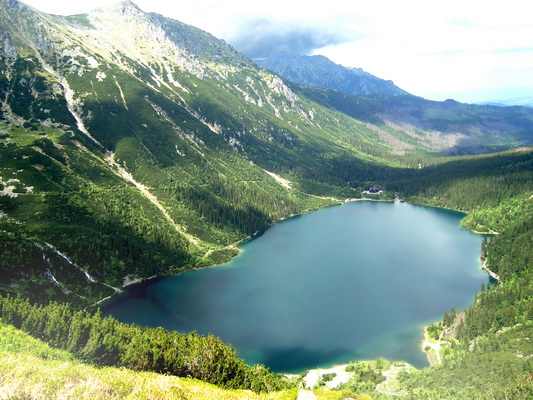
(468, 50)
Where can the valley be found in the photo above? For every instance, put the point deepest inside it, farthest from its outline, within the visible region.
(134, 146)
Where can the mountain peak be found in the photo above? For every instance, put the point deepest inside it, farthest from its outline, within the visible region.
(125, 7)
(321, 72)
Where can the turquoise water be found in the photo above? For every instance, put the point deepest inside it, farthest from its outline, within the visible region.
(346, 283)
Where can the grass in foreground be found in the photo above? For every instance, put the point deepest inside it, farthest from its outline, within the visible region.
(30, 369)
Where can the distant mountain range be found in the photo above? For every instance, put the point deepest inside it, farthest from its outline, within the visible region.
(520, 101)
(447, 126)
(320, 72)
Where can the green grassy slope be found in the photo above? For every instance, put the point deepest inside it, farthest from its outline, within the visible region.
(31, 369)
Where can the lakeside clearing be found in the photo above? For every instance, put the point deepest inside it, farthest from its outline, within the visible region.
(333, 377)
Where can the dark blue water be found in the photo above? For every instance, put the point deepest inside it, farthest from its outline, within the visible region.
(352, 282)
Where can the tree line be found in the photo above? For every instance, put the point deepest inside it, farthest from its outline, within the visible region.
(106, 341)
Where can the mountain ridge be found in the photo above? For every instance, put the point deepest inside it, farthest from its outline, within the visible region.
(400, 118)
(321, 72)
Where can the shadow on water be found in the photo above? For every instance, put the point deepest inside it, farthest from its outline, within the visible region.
(298, 359)
(136, 291)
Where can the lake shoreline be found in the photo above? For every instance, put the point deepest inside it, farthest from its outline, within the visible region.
(258, 233)
(420, 356)
(132, 280)
(341, 376)
(427, 346)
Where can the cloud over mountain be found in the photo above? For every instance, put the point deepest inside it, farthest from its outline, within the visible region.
(263, 37)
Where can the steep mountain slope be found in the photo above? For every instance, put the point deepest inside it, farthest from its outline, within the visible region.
(319, 71)
(134, 145)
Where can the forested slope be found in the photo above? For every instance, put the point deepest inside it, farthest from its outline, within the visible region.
(487, 351)
(107, 342)
(33, 370)
(148, 150)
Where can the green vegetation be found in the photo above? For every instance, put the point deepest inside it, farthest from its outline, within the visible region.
(118, 165)
(366, 377)
(105, 341)
(434, 330)
(493, 366)
(31, 369)
(486, 349)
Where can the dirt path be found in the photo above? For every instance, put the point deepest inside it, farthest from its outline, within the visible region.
(435, 346)
(390, 377)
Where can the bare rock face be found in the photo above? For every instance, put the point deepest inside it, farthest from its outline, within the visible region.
(6, 47)
(452, 331)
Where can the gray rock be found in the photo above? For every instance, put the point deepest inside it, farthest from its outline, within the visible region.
(306, 395)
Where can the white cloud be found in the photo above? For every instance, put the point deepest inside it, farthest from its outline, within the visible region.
(428, 48)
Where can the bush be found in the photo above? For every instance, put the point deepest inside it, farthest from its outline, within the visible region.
(328, 377)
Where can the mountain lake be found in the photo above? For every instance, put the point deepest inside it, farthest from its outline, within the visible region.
(346, 283)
